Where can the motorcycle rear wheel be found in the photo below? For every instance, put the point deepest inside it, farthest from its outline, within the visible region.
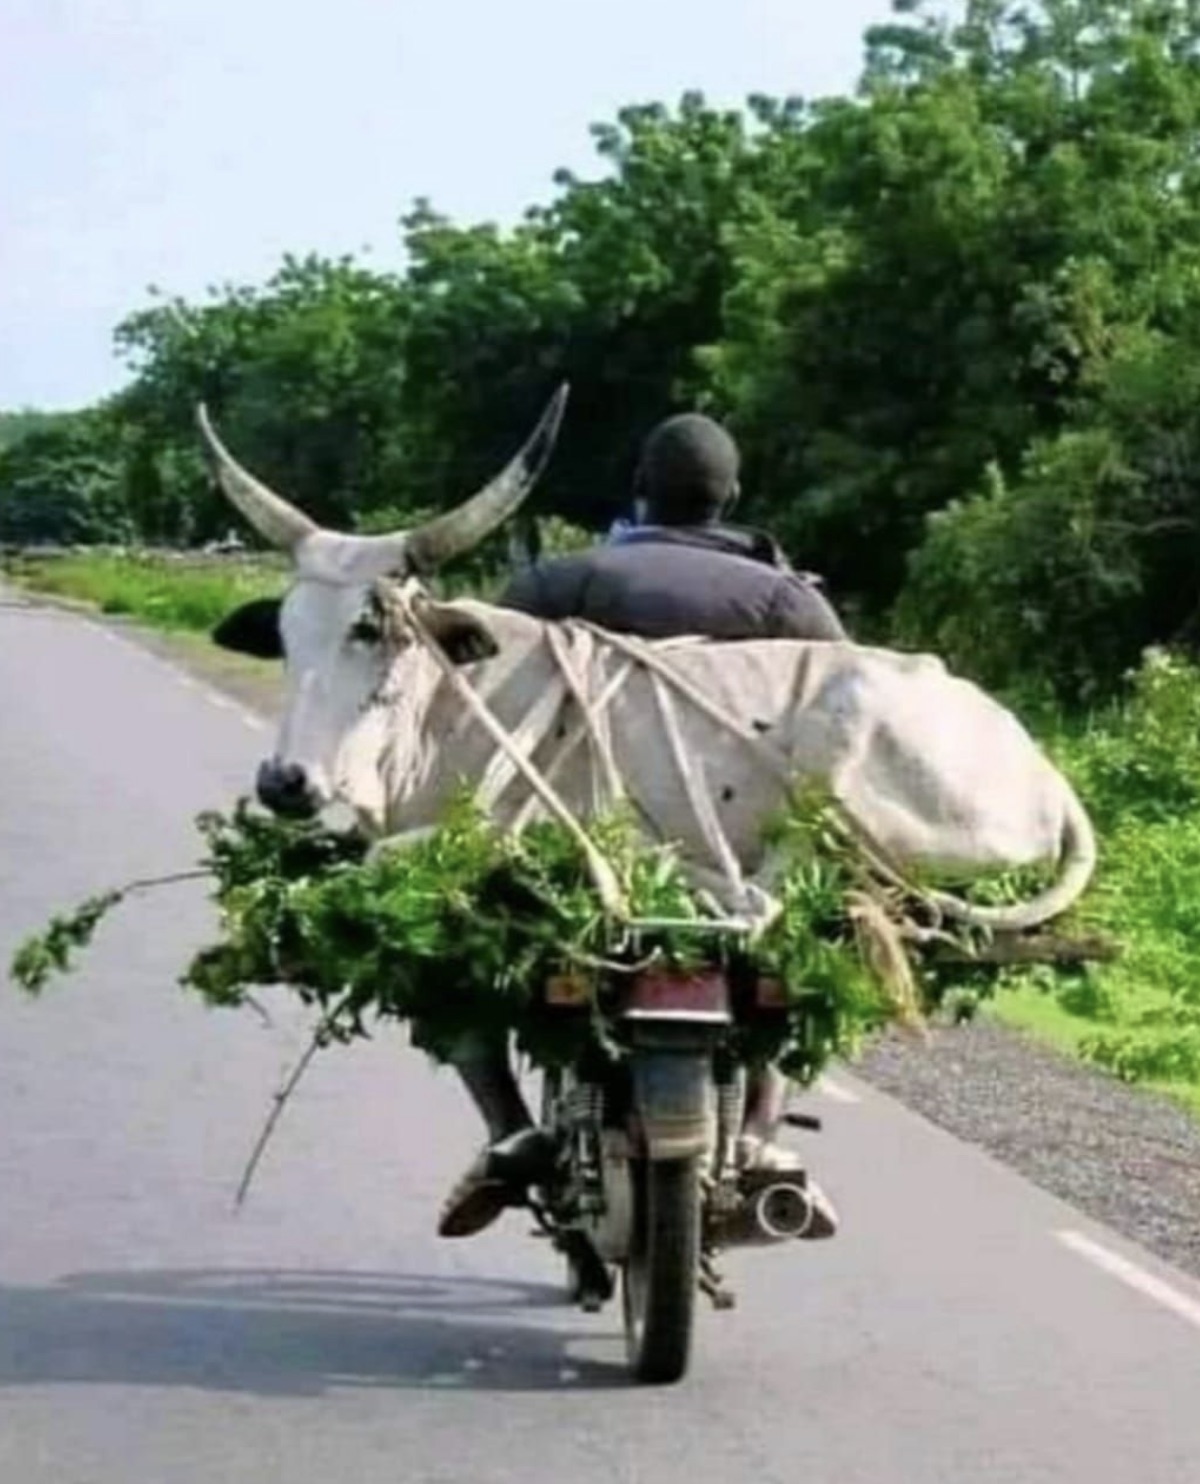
(660, 1278)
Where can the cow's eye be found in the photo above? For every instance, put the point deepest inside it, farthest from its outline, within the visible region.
(367, 630)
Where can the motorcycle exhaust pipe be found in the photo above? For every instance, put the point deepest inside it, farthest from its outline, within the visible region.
(783, 1211)
(780, 1209)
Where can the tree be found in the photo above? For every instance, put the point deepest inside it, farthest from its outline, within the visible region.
(976, 230)
(60, 484)
(1089, 556)
(616, 286)
(304, 376)
(15, 425)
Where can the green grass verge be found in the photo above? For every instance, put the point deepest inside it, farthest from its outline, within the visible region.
(166, 592)
(1039, 1013)
(1137, 767)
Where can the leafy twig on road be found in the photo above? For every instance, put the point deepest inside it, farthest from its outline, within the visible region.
(280, 1100)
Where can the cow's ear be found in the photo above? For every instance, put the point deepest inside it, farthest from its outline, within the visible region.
(252, 629)
(464, 638)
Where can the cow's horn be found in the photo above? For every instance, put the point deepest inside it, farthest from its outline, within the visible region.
(463, 528)
(272, 517)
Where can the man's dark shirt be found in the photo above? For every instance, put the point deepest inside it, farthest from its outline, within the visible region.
(662, 582)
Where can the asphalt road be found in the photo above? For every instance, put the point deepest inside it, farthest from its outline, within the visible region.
(150, 1335)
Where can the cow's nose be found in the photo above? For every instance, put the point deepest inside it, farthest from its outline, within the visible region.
(284, 789)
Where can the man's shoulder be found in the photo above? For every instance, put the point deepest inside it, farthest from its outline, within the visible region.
(749, 543)
(549, 587)
(800, 610)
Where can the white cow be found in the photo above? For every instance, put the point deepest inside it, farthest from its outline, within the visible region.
(705, 739)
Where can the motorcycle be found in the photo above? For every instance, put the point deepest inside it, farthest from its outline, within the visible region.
(645, 1189)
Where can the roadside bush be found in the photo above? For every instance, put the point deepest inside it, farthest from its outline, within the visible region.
(1137, 767)
(1035, 578)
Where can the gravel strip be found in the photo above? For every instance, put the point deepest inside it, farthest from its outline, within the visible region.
(1126, 1157)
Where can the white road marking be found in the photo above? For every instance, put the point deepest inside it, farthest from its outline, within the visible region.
(226, 703)
(181, 677)
(1129, 1273)
(836, 1092)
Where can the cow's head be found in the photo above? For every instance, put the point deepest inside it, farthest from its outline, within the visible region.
(351, 615)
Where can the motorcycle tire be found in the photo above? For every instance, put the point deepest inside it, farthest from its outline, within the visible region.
(660, 1278)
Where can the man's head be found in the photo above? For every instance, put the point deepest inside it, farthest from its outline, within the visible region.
(688, 472)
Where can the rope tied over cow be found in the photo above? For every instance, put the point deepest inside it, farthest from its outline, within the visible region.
(926, 768)
(571, 645)
(889, 912)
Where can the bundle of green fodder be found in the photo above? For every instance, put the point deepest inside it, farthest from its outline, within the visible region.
(461, 929)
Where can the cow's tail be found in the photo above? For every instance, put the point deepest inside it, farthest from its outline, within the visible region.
(1078, 855)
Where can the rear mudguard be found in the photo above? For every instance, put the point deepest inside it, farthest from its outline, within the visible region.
(673, 1100)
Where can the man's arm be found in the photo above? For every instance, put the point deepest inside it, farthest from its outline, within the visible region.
(550, 590)
(524, 593)
(800, 611)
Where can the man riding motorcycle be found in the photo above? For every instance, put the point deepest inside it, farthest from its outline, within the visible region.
(679, 571)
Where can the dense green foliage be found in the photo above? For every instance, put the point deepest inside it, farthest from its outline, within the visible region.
(953, 318)
(15, 425)
(460, 931)
(1137, 767)
(62, 481)
(39, 958)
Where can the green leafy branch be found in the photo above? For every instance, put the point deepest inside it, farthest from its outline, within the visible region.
(52, 951)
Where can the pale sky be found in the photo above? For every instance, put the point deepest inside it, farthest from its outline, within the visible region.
(191, 142)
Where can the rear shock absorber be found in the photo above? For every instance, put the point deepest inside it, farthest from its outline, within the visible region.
(586, 1105)
(731, 1114)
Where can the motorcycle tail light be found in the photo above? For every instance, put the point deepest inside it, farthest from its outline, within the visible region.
(676, 993)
